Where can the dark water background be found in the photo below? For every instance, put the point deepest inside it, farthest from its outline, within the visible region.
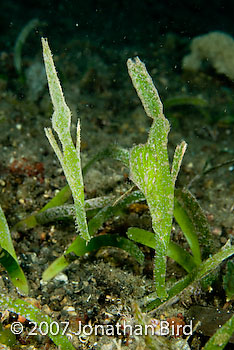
(115, 22)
